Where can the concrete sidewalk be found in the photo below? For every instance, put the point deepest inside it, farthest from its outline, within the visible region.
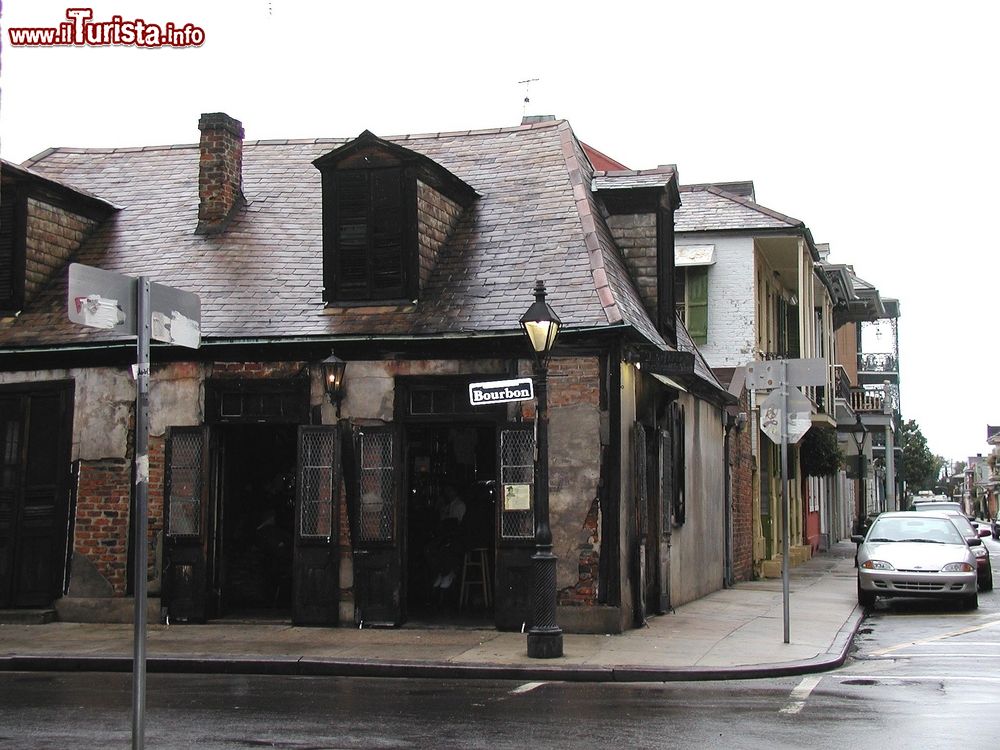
(735, 633)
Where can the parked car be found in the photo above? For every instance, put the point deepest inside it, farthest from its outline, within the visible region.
(925, 505)
(916, 554)
(970, 530)
(995, 523)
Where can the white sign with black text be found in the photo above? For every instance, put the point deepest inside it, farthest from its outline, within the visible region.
(501, 391)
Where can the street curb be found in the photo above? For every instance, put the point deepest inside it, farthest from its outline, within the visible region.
(834, 657)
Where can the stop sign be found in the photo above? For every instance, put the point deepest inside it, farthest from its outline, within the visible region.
(797, 421)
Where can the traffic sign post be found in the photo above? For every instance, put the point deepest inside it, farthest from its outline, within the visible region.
(785, 416)
(147, 310)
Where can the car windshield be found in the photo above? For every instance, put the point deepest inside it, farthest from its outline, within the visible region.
(963, 524)
(916, 529)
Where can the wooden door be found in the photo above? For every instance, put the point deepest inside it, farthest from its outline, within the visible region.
(35, 434)
(515, 536)
(315, 560)
(376, 515)
(185, 540)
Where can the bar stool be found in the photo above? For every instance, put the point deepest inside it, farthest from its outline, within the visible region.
(475, 573)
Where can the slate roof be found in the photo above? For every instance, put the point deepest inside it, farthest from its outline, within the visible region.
(537, 218)
(706, 208)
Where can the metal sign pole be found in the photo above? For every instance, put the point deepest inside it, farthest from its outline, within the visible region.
(143, 326)
(785, 501)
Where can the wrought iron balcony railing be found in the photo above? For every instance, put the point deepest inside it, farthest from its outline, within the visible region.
(879, 363)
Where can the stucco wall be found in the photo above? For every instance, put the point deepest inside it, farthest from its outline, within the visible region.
(697, 553)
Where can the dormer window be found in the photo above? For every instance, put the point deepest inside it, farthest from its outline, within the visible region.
(42, 224)
(372, 237)
(387, 212)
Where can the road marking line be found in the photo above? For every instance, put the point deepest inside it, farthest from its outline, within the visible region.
(956, 655)
(966, 643)
(800, 693)
(847, 677)
(526, 688)
(932, 639)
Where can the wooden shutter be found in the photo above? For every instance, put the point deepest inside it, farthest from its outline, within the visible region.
(351, 231)
(386, 237)
(666, 468)
(696, 318)
(639, 478)
(793, 332)
(12, 210)
(677, 428)
(369, 234)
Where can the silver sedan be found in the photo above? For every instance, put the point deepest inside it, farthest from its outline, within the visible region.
(915, 554)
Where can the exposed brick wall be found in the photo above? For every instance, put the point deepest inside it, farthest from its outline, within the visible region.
(584, 593)
(741, 465)
(256, 370)
(220, 170)
(157, 445)
(102, 511)
(53, 234)
(437, 216)
(572, 380)
(635, 234)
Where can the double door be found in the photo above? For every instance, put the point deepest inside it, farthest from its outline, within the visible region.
(35, 436)
(226, 541)
(365, 462)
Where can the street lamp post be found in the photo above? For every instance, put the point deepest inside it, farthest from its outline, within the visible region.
(545, 641)
(859, 434)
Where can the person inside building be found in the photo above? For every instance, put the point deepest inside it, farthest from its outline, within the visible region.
(445, 548)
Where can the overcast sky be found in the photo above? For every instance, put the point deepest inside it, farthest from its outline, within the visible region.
(874, 123)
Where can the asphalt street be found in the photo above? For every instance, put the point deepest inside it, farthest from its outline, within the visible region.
(922, 674)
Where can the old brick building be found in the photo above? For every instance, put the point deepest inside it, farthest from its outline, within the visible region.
(412, 258)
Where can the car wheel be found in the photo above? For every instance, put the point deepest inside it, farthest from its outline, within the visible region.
(987, 583)
(865, 598)
(972, 602)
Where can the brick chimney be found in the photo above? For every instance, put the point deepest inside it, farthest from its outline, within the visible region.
(220, 171)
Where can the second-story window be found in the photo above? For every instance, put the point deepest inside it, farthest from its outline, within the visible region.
(370, 253)
(12, 248)
(691, 299)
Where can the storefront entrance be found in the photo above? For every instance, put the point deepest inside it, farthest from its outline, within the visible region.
(251, 502)
(254, 535)
(450, 523)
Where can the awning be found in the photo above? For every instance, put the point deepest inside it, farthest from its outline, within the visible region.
(694, 255)
(667, 381)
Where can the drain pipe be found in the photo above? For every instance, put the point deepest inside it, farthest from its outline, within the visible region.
(729, 421)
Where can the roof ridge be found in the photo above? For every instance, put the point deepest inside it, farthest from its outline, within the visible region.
(285, 141)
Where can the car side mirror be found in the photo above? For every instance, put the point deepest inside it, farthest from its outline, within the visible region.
(985, 532)
(974, 541)
(857, 538)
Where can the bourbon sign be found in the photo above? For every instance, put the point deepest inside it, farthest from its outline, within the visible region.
(501, 391)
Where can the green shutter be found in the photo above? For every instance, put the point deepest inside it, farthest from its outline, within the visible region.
(697, 303)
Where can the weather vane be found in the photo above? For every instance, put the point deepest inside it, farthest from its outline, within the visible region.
(527, 85)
